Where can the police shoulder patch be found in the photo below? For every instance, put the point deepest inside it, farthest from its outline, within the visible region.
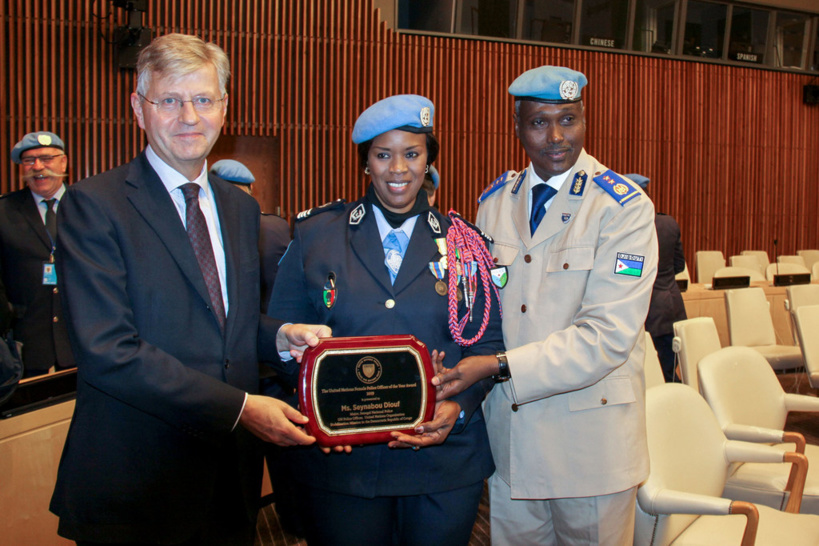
(497, 184)
(332, 205)
(619, 188)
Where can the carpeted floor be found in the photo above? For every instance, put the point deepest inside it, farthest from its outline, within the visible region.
(270, 532)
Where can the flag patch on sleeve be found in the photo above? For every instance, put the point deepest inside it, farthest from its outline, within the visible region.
(629, 264)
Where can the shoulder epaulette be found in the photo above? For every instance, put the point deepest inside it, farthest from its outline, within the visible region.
(619, 188)
(332, 205)
(498, 183)
(473, 227)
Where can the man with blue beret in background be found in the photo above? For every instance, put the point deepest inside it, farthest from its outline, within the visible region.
(28, 238)
(567, 420)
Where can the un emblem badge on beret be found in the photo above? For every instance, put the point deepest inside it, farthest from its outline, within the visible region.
(568, 90)
(425, 115)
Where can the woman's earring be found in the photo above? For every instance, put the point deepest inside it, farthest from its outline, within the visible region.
(427, 169)
(366, 170)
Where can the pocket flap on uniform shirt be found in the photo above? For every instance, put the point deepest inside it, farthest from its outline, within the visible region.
(504, 254)
(571, 259)
(608, 392)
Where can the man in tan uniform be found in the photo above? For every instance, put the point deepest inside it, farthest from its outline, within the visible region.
(567, 421)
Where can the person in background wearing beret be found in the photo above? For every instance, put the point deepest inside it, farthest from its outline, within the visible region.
(373, 267)
(431, 182)
(667, 306)
(28, 239)
(567, 422)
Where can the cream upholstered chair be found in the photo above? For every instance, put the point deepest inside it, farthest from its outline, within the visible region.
(798, 296)
(708, 261)
(784, 269)
(651, 365)
(740, 272)
(750, 405)
(748, 262)
(806, 319)
(798, 260)
(750, 325)
(680, 501)
(761, 255)
(814, 272)
(693, 339)
(811, 257)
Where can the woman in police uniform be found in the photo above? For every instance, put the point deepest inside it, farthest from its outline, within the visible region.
(376, 255)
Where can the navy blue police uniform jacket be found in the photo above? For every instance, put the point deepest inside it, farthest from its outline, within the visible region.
(335, 240)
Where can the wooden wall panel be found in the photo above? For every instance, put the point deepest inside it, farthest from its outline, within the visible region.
(732, 151)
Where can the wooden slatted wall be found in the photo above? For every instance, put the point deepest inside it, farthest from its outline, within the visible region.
(732, 151)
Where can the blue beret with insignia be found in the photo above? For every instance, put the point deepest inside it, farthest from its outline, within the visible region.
(549, 84)
(434, 176)
(233, 171)
(412, 113)
(639, 179)
(40, 139)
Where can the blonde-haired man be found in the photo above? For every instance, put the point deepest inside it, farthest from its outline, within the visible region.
(161, 272)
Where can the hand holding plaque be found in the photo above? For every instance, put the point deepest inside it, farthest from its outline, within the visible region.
(357, 390)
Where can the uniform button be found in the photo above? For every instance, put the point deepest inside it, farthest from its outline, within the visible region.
(389, 304)
(565, 266)
(603, 401)
(227, 363)
(55, 290)
(494, 260)
(56, 319)
(514, 407)
(527, 259)
(523, 308)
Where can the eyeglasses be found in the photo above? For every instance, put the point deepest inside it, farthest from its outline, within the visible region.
(171, 105)
(44, 159)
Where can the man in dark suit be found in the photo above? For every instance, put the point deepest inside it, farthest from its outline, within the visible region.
(27, 242)
(667, 306)
(161, 268)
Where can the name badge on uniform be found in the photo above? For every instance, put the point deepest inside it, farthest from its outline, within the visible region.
(49, 274)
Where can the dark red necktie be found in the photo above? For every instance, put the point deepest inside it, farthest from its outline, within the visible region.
(200, 240)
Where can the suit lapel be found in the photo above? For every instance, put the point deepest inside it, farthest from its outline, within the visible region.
(420, 252)
(229, 221)
(28, 209)
(366, 243)
(153, 202)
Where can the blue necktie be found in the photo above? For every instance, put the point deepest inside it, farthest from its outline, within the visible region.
(395, 245)
(541, 194)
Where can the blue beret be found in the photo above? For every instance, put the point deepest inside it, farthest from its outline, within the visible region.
(436, 178)
(411, 113)
(550, 84)
(232, 171)
(40, 139)
(639, 179)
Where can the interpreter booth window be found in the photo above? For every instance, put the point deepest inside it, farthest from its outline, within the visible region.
(654, 26)
(704, 29)
(749, 35)
(486, 17)
(603, 23)
(431, 15)
(790, 40)
(548, 21)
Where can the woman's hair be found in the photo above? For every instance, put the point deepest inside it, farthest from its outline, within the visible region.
(180, 55)
(432, 150)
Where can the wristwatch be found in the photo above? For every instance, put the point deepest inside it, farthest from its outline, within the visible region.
(503, 368)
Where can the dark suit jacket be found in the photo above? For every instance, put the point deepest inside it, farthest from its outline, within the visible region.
(326, 243)
(273, 240)
(24, 247)
(667, 305)
(159, 387)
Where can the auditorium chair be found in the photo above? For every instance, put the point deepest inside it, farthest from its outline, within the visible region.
(652, 368)
(811, 257)
(800, 295)
(750, 325)
(690, 457)
(750, 405)
(792, 259)
(784, 269)
(693, 339)
(748, 262)
(740, 272)
(761, 255)
(708, 261)
(806, 319)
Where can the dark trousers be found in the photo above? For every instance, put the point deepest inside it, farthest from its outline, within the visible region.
(666, 355)
(444, 519)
